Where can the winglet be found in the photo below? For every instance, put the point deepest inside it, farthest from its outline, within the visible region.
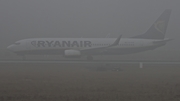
(116, 42)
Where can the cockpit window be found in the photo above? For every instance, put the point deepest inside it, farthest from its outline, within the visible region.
(17, 43)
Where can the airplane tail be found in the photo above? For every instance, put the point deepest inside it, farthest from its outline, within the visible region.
(158, 29)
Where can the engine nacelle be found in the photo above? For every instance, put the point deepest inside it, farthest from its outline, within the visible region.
(72, 53)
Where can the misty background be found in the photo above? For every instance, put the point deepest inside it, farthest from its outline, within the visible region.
(21, 19)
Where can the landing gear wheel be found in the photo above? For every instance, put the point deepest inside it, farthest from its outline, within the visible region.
(90, 58)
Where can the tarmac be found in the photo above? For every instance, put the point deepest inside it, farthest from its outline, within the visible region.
(89, 81)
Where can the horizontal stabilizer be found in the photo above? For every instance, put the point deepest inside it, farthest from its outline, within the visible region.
(162, 41)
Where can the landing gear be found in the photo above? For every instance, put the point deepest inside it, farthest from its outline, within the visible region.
(90, 58)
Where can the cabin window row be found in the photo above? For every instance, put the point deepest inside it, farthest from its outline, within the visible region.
(110, 44)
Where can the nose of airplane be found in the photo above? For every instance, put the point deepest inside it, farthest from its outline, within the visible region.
(10, 47)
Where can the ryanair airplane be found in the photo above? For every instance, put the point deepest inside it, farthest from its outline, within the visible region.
(78, 47)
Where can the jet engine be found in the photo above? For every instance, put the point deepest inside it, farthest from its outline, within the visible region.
(72, 53)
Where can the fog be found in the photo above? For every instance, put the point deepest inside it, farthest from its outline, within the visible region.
(22, 19)
(100, 80)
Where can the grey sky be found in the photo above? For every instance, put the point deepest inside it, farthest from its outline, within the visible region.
(84, 18)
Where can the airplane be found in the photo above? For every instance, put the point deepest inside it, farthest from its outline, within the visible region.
(153, 38)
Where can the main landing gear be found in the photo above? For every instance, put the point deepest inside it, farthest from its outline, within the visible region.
(89, 58)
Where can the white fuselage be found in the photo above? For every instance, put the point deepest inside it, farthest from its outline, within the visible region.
(90, 46)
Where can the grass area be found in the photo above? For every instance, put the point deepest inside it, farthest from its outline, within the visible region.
(74, 82)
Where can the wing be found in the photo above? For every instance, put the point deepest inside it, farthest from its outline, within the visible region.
(116, 42)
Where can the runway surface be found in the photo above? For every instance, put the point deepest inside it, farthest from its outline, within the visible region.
(98, 61)
(82, 81)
